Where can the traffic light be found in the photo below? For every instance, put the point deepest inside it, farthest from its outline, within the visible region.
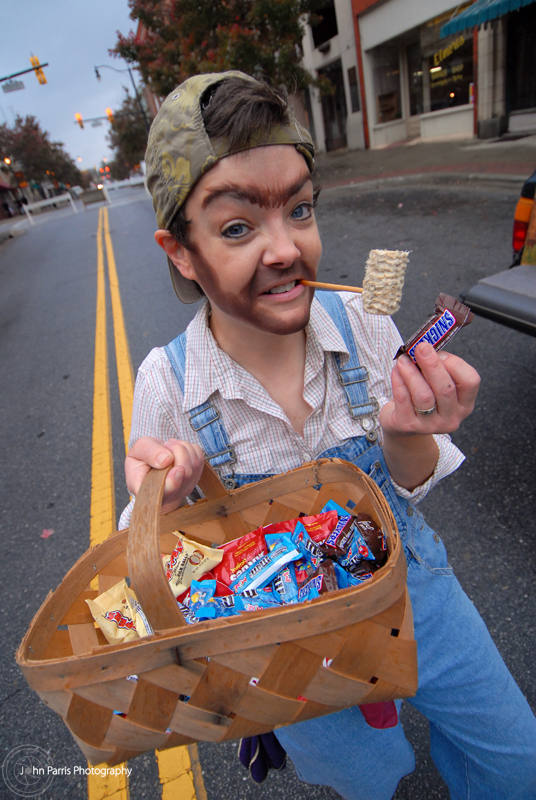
(78, 118)
(37, 69)
(110, 115)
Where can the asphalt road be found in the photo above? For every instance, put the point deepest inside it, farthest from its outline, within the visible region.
(484, 512)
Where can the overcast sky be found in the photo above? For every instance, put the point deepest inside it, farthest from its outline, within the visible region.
(73, 36)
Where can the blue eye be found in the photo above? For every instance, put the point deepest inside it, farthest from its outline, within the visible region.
(303, 211)
(235, 231)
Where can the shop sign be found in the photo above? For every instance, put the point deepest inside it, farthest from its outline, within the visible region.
(12, 86)
(442, 55)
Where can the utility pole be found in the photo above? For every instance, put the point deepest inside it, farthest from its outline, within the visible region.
(142, 110)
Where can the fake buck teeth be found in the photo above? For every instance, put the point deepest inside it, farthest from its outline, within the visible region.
(279, 289)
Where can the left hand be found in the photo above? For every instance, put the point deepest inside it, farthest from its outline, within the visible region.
(445, 381)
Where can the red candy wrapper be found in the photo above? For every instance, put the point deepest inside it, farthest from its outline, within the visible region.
(318, 526)
(240, 554)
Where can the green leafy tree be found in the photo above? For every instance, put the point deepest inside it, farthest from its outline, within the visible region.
(127, 138)
(38, 158)
(184, 37)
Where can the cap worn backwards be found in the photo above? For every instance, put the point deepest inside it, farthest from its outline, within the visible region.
(180, 151)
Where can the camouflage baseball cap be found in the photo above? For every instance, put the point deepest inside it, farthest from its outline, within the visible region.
(180, 151)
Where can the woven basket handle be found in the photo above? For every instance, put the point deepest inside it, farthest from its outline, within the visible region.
(143, 548)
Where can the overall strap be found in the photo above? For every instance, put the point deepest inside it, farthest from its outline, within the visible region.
(352, 376)
(205, 418)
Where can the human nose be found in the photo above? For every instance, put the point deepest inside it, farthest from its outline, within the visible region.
(280, 248)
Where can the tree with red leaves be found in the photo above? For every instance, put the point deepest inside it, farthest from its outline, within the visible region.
(29, 146)
(180, 38)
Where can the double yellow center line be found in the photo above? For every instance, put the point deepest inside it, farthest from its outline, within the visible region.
(179, 768)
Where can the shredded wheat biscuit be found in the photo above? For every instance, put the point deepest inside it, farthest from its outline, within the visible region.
(384, 279)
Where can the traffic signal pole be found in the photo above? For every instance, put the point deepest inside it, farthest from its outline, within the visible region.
(79, 120)
(142, 111)
(24, 72)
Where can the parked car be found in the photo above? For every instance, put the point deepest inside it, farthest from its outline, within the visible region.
(509, 297)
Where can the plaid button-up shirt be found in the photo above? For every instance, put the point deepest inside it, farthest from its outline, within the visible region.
(259, 430)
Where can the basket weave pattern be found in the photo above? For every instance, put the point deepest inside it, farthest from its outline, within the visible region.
(243, 675)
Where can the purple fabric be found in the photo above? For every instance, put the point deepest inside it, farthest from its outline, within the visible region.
(261, 753)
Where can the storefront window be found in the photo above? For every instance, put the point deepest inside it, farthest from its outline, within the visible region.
(448, 63)
(520, 60)
(334, 107)
(387, 82)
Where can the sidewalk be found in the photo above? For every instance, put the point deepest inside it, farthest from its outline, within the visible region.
(12, 226)
(463, 159)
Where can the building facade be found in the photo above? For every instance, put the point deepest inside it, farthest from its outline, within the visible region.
(330, 49)
(399, 74)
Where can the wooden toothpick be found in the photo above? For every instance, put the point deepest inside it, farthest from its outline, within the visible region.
(335, 287)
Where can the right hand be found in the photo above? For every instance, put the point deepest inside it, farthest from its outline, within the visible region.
(187, 461)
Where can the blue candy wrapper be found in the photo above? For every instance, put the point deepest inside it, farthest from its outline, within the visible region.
(358, 548)
(202, 599)
(309, 549)
(226, 606)
(357, 551)
(341, 575)
(331, 505)
(285, 584)
(310, 590)
(256, 600)
(357, 580)
(262, 572)
(272, 539)
(188, 615)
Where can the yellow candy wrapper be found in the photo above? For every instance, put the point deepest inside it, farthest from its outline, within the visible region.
(188, 562)
(119, 615)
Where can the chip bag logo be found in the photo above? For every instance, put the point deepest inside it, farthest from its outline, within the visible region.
(196, 557)
(120, 620)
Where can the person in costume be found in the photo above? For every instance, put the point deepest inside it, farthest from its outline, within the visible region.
(258, 384)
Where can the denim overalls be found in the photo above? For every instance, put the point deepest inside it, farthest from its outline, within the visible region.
(482, 730)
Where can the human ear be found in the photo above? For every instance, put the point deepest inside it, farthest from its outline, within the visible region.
(176, 252)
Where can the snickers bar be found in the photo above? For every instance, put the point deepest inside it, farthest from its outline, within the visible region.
(450, 315)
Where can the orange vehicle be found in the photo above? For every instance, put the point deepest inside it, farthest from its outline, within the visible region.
(522, 218)
(509, 297)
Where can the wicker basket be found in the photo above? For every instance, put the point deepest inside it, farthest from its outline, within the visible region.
(348, 647)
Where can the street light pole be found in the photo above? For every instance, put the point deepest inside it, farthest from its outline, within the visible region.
(107, 66)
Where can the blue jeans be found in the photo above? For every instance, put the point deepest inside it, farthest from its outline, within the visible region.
(482, 730)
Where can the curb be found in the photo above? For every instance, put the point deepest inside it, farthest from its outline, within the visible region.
(508, 181)
(13, 230)
(12, 233)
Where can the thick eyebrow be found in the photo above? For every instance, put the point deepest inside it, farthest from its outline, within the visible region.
(256, 197)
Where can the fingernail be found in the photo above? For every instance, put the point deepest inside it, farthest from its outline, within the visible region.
(404, 359)
(425, 349)
(443, 356)
(162, 458)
